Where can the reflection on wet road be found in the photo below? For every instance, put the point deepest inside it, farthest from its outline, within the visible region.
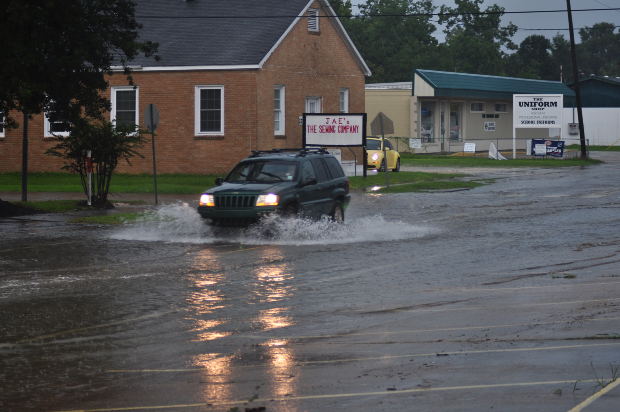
(506, 295)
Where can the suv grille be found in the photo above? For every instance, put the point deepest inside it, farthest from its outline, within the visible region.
(235, 201)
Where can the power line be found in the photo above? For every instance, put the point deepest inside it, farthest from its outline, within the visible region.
(482, 13)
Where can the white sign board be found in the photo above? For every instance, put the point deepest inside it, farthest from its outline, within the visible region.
(339, 129)
(540, 111)
(337, 153)
(535, 111)
(415, 143)
(469, 148)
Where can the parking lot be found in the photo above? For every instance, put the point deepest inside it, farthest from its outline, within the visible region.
(504, 297)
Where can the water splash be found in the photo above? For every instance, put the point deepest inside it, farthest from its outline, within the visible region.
(180, 223)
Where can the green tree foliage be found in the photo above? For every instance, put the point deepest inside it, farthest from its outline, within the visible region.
(394, 36)
(59, 51)
(475, 41)
(108, 144)
(599, 51)
(533, 60)
(343, 8)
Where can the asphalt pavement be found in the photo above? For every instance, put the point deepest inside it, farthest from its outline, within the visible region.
(504, 297)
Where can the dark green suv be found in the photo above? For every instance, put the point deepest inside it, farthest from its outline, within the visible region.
(292, 182)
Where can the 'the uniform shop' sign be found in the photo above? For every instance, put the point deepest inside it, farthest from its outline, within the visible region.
(540, 111)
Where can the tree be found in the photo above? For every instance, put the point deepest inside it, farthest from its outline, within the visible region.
(474, 38)
(533, 60)
(599, 51)
(57, 54)
(108, 145)
(560, 57)
(395, 36)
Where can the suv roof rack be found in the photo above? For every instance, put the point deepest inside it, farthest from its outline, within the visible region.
(298, 151)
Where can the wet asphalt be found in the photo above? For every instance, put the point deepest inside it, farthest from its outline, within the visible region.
(504, 297)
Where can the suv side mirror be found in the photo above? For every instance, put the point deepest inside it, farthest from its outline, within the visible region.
(219, 181)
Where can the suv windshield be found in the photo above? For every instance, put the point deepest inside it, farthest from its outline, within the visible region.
(263, 171)
(372, 144)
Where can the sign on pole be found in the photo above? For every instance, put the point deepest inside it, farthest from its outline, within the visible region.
(535, 111)
(334, 129)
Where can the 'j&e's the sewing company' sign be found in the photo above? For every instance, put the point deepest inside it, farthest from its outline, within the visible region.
(334, 129)
(542, 111)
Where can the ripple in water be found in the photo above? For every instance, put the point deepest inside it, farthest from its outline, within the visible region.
(180, 223)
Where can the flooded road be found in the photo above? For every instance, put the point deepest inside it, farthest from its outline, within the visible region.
(504, 297)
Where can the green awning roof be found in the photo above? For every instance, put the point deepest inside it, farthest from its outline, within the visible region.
(450, 84)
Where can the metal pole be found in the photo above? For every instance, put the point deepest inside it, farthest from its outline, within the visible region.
(89, 164)
(154, 156)
(25, 159)
(582, 137)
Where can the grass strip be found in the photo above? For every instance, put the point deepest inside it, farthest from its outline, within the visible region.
(429, 186)
(408, 159)
(379, 179)
(111, 219)
(55, 206)
(121, 183)
(596, 148)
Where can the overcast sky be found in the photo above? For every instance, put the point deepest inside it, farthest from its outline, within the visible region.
(545, 20)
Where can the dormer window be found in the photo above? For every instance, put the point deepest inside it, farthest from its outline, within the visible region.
(313, 20)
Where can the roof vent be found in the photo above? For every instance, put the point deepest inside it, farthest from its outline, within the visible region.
(313, 20)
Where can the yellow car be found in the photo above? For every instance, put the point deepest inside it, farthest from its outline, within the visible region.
(374, 150)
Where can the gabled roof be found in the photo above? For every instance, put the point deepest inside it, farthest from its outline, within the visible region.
(450, 84)
(212, 34)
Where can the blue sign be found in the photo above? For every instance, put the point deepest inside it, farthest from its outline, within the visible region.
(553, 148)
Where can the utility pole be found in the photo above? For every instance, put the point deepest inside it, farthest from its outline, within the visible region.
(582, 136)
(25, 158)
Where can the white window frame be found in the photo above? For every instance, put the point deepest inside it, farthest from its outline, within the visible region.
(197, 90)
(471, 109)
(343, 100)
(3, 123)
(113, 101)
(500, 104)
(313, 20)
(317, 99)
(279, 112)
(47, 132)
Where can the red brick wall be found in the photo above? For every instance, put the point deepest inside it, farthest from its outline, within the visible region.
(308, 64)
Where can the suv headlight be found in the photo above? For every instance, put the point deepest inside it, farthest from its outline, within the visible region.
(268, 200)
(207, 200)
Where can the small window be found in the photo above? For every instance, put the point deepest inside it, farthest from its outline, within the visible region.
(209, 110)
(125, 106)
(55, 128)
(313, 105)
(344, 100)
(501, 107)
(477, 107)
(278, 110)
(313, 20)
(319, 169)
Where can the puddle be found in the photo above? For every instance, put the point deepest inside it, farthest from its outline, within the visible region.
(180, 223)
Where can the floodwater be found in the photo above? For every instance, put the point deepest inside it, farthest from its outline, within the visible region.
(504, 297)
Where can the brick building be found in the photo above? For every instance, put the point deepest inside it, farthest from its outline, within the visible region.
(234, 76)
